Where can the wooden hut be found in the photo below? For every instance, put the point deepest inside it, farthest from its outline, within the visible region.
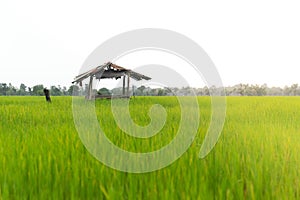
(109, 70)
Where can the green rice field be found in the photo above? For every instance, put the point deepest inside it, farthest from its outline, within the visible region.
(256, 157)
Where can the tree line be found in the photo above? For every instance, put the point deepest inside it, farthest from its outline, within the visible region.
(37, 90)
(74, 90)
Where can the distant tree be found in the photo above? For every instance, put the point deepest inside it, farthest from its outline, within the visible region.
(298, 91)
(140, 90)
(261, 90)
(3, 88)
(161, 92)
(29, 90)
(213, 90)
(175, 90)
(287, 91)
(274, 91)
(168, 91)
(206, 91)
(73, 90)
(11, 90)
(293, 89)
(104, 91)
(38, 90)
(64, 90)
(23, 86)
(241, 89)
(22, 90)
(117, 91)
(229, 91)
(55, 91)
(153, 92)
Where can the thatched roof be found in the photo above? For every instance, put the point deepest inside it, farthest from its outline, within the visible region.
(110, 70)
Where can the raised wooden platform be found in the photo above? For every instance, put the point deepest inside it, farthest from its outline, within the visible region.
(98, 96)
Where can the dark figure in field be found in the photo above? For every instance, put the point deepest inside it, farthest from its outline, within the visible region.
(47, 95)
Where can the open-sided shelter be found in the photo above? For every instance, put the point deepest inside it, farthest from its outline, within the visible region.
(109, 70)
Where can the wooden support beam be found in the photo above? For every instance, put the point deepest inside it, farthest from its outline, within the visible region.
(89, 95)
(128, 81)
(124, 85)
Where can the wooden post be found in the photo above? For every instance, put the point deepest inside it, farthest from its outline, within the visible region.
(128, 80)
(90, 88)
(124, 85)
(133, 91)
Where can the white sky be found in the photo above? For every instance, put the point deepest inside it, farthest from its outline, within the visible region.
(249, 41)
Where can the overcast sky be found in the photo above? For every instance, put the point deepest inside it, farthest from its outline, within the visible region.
(249, 41)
